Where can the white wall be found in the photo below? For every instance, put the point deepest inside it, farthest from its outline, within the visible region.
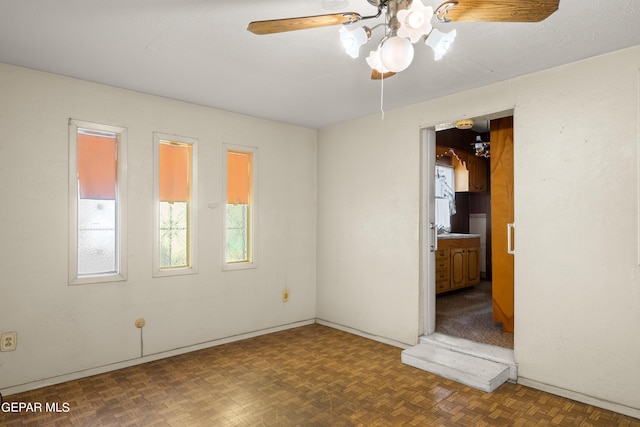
(65, 329)
(577, 278)
(576, 202)
(368, 206)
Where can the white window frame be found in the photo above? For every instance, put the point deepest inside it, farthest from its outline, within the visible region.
(253, 221)
(121, 204)
(193, 223)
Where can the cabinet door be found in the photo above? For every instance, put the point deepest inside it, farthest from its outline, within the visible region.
(477, 174)
(458, 268)
(473, 266)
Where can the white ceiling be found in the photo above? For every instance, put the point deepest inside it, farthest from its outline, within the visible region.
(199, 51)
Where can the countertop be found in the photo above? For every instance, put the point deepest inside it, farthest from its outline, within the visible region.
(457, 236)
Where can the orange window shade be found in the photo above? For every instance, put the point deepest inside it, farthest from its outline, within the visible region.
(97, 156)
(239, 178)
(175, 172)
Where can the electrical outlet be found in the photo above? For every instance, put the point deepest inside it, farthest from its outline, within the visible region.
(285, 296)
(8, 341)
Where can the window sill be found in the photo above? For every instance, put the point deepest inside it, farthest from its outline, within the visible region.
(238, 266)
(166, 272)
(98, 278)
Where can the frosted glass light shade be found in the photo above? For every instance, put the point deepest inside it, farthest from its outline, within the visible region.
(415, 22)
(440, 42)
(374, 61)
(396, 54)
(352, 40)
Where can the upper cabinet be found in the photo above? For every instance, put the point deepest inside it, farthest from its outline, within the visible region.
(477, 174)
(470, 171)
(455, 147)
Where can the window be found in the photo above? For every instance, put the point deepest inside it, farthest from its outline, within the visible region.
(240, 210)
(97, 192)
(175, 190)
(445, 197)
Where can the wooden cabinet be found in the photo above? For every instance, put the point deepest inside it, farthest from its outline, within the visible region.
(457, 263)
(473, 265)
(477, 167)
(458, 268)
(470, 171)
(443, 277)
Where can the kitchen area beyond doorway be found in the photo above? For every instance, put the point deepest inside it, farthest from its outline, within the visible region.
(463, 257)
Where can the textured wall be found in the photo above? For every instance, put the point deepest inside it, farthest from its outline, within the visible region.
(577, 285)
(64, 329)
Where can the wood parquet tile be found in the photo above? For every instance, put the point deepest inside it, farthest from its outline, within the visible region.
(308, 376)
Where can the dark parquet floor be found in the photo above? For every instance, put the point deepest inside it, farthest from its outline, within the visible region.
(307, 376)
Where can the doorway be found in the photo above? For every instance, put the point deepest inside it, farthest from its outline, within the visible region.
(480, 309)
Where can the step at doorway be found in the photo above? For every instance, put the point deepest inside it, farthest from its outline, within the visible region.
(481, 366)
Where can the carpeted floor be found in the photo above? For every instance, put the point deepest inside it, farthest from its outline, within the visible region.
(467, 314)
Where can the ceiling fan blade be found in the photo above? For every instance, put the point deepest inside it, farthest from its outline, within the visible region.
(377, 75)
(496, 10)
(292, 24)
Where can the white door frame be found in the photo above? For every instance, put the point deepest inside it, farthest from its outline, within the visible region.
(428, 233)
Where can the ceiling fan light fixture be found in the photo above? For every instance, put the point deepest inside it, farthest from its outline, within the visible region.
(440, 42)
(406, 22)
(352, 40)
(396, 54)
(375, 62)
(415, 21)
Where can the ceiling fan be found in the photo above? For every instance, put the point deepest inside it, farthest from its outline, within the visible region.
(409, 21)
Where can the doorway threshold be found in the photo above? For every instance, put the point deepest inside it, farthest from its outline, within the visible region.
(482, 366)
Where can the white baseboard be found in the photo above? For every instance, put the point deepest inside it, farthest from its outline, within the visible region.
(589, 400)
(363, 334)
(149, 358)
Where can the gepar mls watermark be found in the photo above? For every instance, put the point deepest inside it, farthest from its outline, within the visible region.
(31, 407)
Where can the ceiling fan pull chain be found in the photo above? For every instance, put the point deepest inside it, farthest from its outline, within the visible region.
(382, 96)
(386, 34)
